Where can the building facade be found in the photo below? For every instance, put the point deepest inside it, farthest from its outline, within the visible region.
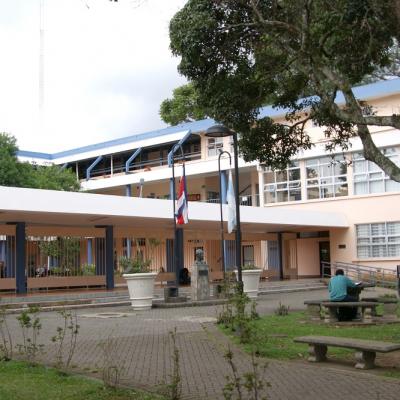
(315, 182)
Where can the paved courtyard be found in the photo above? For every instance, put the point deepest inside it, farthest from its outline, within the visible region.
(141, 347)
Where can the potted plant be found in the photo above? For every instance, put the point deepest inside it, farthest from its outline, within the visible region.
(140, 281)
(251, 280)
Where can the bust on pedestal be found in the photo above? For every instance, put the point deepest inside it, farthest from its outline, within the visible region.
(199, 279)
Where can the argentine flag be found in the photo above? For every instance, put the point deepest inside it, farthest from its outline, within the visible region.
(230, 197)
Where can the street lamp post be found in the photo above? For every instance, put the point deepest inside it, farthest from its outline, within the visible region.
(220, 208)
(222, 131)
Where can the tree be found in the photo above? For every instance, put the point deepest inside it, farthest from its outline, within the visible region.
(298, 55)
(15, 173)
(183, 107)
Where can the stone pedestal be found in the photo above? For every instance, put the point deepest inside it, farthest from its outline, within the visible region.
(199, 281)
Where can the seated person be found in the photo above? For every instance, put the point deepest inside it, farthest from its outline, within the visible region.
(184, 278)
(337, 287)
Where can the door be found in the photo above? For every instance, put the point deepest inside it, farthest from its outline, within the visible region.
(324, 257)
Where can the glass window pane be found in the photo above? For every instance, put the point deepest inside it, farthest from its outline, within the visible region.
(341, 190)
(378, 229)
(379, 251)
(312, 172)
(294, 194)
(294, 174)
(281, 176)
(361, 188)
(392, 186)
(360, 166)
(363, 230)
(376, 187)
(394, 250)
(363, 252)
(393, 228)
(313, 193)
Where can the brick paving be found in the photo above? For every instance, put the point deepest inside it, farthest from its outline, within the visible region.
(142, 348)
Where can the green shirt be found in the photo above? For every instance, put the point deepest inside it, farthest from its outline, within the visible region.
(338, 287)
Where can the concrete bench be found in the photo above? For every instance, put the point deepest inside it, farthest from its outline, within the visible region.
(366, 309)
(365, 354)
(314, 308)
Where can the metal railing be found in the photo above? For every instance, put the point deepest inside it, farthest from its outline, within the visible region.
(244, 201)
(156, 162)
(378, 276)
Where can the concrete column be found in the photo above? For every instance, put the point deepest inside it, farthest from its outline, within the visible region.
(128, 193)
(20, 258)
(261, 187)
(109, 256)
(89, 251)
(280, 255)
(303, 178)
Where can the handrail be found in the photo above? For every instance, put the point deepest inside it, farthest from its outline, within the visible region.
(379, 276)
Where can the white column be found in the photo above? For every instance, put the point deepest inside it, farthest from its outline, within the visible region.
(261, 185)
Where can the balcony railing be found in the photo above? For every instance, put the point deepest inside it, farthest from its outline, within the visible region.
(144, 165)
(248, 200)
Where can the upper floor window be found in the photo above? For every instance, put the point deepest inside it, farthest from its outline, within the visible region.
(284, 185)
(326, 177)
(213, 146)
(369, 178)
(378, 240)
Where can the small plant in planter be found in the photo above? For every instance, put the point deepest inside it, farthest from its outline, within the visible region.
(251, 280)
(134, 265)
(140, 281)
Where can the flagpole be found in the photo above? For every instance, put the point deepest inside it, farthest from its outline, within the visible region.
(175, 247)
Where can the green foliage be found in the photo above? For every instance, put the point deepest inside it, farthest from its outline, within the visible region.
(30, 325)
(65, 338)
(282, 310)
(253, 382)
(6, 343)
(66, 250)
(234, 315)
(134, 265)
(88, 269)
(294, 55)
(183, 107)
(275, 335)
(41, 383)
(18, 174)
(249, 267)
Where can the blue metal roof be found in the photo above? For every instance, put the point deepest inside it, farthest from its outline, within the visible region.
(362, 92)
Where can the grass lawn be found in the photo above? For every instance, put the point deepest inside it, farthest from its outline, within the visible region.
(20, 381)
(275, 335)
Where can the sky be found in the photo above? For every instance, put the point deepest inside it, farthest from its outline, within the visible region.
(107, 67)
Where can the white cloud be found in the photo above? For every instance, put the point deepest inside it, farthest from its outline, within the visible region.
(107, 68)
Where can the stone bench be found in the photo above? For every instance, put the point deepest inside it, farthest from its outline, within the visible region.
(314, 308)
(365, 354)
(366, 309)
(390, 304)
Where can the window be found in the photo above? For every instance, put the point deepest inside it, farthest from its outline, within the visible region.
(248, 255)
(378, 240)
(326, 177)
(284, 185)
(213, 145)
(369, 178)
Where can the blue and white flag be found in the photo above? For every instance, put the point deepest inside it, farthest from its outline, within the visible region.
(182, 204)
(230, 197)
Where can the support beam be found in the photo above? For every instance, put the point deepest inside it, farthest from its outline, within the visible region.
(89, 251)
(280, 255)
(94, 163)
(20, 259)
(131, 159)
(109, 247)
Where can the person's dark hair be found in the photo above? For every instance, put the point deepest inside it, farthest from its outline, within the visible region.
(339, 272)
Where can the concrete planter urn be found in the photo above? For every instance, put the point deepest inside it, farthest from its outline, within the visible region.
(251, 281)
(141, 289)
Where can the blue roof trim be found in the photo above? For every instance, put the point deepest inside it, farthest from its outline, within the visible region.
(371, 90)
(34, 154)
(362, 92)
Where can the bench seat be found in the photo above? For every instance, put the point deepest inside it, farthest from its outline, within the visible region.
(366, 349)
(367, 308)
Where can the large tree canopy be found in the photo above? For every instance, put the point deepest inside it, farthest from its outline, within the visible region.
(15, 173)
(183, 107)
(242, 54)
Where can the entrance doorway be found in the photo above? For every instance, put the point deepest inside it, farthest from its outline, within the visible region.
(324, 257)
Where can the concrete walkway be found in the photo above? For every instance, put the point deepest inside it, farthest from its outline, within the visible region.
(141, 347)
